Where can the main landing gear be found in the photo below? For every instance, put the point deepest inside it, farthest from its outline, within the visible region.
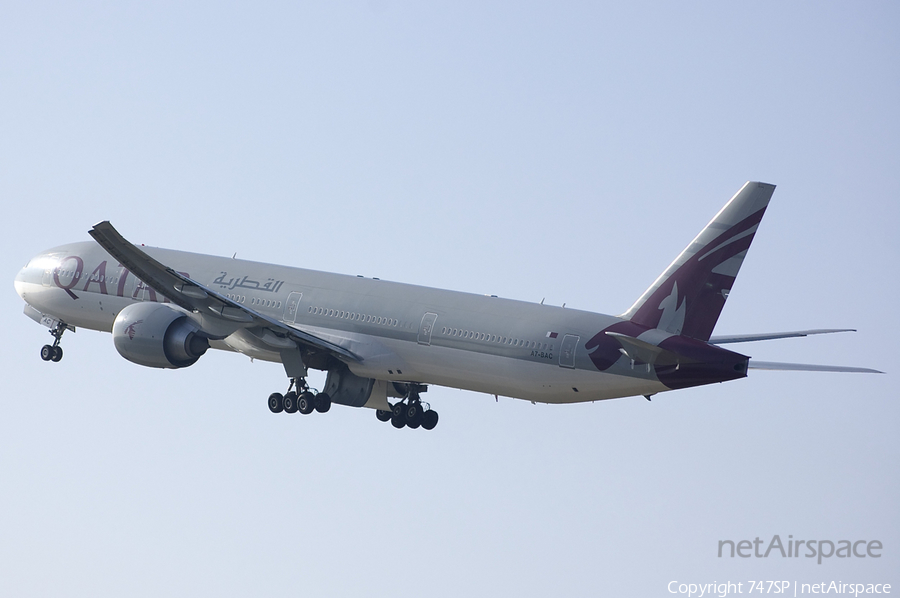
(54, 352)
(301, 399)
(410, 412)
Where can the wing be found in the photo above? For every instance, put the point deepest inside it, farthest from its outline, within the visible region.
(803, 367)
(744, 338)
(198, 298)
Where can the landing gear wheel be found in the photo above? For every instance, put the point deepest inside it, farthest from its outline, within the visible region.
(54, 352)
(290, 402)
(323, 402)
(306, 403)
(276, 402)
(383, 415)
(398, 416)
(429, 419)
(414, 415)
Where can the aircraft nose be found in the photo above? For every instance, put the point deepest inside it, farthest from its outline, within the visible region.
(30, 275)
(20, 281)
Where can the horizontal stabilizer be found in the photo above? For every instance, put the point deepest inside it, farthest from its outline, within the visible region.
(803, 367)
(644, 352)
(745, 338)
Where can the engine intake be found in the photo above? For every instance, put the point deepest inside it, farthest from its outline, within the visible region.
(157, 336)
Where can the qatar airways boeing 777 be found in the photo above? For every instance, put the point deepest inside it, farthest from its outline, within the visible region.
(382, 340)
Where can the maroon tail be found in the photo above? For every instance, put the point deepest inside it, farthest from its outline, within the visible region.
(689, 296)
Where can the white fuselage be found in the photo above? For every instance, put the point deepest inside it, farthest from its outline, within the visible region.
(401, 332)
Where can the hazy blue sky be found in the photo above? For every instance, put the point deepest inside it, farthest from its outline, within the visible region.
(530, 150)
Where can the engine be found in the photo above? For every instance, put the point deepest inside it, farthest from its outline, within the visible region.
(346, 388)
(157, 336)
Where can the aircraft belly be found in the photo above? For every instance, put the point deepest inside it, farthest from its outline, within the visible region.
(517, 378)
(405, 361)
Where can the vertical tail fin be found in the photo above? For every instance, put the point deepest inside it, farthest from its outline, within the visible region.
(688, 297)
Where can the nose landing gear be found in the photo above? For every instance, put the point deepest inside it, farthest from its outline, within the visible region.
(54, 352)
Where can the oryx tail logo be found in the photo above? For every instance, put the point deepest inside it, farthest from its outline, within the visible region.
(130, 329)
(672, 318)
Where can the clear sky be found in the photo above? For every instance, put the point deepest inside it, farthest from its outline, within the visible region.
(530, 150)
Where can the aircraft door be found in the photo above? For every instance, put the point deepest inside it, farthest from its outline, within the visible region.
(140, 291)
(291, 306)
(426, 327)
(567, 351)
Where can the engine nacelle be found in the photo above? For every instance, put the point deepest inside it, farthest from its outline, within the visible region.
(157, 336)
(346, 388)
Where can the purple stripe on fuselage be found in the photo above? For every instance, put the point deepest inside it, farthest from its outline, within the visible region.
(703, 364)
(604, 349)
